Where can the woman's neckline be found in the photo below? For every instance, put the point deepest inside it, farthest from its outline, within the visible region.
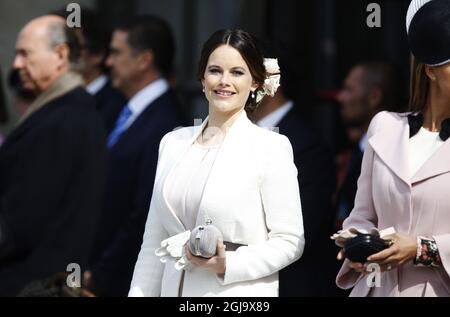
(206, 147)
(425, 130)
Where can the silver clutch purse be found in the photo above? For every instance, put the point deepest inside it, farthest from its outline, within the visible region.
(203, 241)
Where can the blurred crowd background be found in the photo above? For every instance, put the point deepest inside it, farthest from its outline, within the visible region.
(337, 73)
(325, 37)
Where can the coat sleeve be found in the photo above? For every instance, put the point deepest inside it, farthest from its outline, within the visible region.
(148, 271)
(363, 215)
(443, 243)
(281, 201)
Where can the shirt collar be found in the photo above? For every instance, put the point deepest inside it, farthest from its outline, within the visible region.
(94, 87)
(275, 117)
(139, 102)
(363, 142)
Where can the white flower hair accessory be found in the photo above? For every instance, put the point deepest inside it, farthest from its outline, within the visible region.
(272, 81)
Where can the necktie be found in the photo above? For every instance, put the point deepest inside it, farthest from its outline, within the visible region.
(120, 126)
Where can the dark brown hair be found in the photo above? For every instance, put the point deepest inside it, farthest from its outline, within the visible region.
(247, 46)
(419, 86)
(148, 32)
(383, 76)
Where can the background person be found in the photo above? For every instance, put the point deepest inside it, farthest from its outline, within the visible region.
(52, 165)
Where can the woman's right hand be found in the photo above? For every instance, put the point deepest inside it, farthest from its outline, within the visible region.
(357, 267)
(216, 264)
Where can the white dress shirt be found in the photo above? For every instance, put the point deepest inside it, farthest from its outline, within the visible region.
(275, 117)
(94, 87)
(145, 97)
(363, 142)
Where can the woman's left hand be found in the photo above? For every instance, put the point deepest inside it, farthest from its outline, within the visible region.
(402, 250)
(216, 264)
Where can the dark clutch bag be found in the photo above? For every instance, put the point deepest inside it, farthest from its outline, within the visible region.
(359, 248)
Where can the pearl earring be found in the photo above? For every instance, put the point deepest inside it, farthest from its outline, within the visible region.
(253, 95)
(203, 90)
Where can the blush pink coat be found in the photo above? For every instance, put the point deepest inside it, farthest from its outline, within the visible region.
(388, 196)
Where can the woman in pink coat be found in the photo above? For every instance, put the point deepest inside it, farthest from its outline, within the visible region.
(405, 175)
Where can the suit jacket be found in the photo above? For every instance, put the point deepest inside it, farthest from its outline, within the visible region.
(315, 164)
(345, 200)
(389, 197)
(251, 195)
(131, 174)
(52, 170)
(110, 103)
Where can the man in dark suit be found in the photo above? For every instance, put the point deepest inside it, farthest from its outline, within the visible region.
(369, 87)
(94, 37)
(3, 109)
(52, 165)
(312, 274)
(142, 53)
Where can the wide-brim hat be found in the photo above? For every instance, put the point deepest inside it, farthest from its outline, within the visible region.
(428, 28)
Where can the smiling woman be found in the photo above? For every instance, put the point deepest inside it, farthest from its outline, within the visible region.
(229, 173)
(228, 86)
(227, 78)
(238, 55)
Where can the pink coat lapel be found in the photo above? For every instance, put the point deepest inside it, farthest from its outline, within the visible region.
(391, 145)
(439, 163)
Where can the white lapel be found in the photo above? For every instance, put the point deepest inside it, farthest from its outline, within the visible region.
(197, 131)
(226, 149)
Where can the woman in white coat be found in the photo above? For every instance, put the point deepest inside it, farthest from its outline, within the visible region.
(228, 172)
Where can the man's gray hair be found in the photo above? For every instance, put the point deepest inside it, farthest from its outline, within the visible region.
(58, 34)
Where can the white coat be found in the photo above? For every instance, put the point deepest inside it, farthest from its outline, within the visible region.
(251, 195)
